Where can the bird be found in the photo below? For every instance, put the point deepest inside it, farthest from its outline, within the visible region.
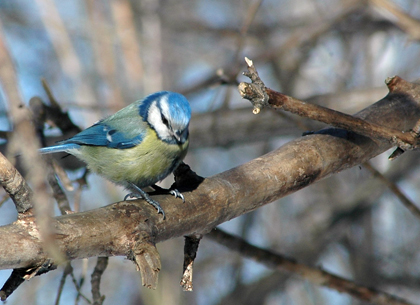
(137, 146)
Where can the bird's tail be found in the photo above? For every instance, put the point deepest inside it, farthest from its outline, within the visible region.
(58, 148)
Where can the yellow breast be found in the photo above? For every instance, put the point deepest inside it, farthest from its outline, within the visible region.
(145, 164)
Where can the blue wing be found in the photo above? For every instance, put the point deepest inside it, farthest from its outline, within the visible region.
(102, 134)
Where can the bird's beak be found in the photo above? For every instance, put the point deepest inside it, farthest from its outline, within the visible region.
(181, 136)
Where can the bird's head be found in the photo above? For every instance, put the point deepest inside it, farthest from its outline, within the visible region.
(169, 114)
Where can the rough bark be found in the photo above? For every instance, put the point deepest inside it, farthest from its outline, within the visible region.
(120, 228)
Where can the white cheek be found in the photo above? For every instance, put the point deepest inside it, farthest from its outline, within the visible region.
(155, 119)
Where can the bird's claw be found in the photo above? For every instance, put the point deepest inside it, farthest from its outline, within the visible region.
(142, 194)
(132, 195)
(157, 206)
(177, 194)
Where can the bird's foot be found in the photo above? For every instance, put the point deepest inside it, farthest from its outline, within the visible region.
(173, 192)
(177, 194)
(156, 205)
(142, 194)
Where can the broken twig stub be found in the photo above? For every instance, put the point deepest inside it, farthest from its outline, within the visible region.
(256, 91)
(261, 96)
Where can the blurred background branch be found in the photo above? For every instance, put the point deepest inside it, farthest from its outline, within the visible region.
(100, 56)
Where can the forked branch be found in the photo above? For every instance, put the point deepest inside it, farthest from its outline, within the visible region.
(261, 96)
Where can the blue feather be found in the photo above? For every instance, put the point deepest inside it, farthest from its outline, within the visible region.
(181, 110)
(137, 146)
(58, 148)
(147, 101)
(101, 134)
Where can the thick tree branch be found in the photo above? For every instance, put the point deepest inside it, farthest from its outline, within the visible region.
(126, 228)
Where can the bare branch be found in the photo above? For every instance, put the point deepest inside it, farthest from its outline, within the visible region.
(25, 140)
(58, 193)
(67, 271)
(132, 228)
(404, 21)
(395, 189)
(12, 283)
(313, 275)
(100, 267)
(260, 96)
(53, 115)
(244, 188)
(19, 275)
(15, 186)
(190, 252)
(232, 126)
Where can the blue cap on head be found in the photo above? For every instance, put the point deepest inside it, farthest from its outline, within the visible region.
(179, 108)
(175, 104)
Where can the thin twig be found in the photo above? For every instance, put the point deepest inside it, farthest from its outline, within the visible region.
(62, 175)
(261, 97)
(100, 267)
(250, 16)
(124, 26)
(79, 284)
(24, 140)
(58, 193)
(67, 270)
(314, 275)
(53, 114)
(51, 97)
(395, 189)
(404, 21)
(23, 136)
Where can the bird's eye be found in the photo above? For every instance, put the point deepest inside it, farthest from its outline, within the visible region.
(164, 120)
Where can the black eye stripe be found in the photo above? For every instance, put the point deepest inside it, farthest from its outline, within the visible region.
(164, 120)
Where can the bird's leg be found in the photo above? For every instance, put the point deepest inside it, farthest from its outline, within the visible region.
(142, 194)
(173, 192)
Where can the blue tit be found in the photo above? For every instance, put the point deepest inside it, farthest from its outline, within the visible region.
(136, 147)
